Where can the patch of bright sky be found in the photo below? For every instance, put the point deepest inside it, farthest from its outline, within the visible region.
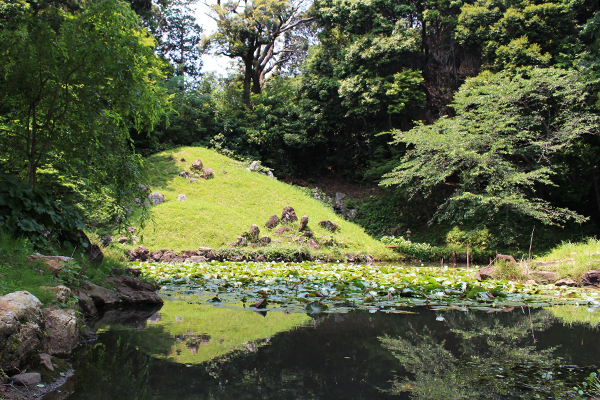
(210, 62)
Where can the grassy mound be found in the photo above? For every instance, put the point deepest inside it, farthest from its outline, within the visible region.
(218, 210)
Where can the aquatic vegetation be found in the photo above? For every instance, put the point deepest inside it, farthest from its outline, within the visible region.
(317, 288)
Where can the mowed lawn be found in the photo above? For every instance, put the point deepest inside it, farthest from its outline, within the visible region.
(218, 210)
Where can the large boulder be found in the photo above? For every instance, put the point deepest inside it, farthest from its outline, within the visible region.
(61, 330)
(86, 304)
(591, 278)
(102, 297)
(485, 273)
(139, 254)
(253, 234)
(156, 198)
(288, 215)
(62, 293)
(566, 282)
(133, 291)
(544, 276)
(272, 222)
(21, 331)
(55, 264)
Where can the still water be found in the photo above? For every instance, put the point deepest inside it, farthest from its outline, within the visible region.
(193, 350)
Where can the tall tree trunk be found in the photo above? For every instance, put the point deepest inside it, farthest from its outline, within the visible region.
(247, 83)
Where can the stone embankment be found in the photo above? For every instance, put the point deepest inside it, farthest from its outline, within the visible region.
(33, 336)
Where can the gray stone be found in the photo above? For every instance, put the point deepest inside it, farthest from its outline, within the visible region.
(254, 233)
(198, 165)
(303, 223)
(55, 264)
(313, 244)
(102, 297)
(272, 222)
(566, 282)
(61, 330)
(255, 165)
(591, 278)
(288, 215)
(270, 175)
(544, 276)
(193, 180)
(484, 273)
(156, 198)
(281, 230)
(181, 197)
(196, 259)
(207, 173)
(184, 174)
(265, 240)
(86, 304)
(20, 328)
(27, 379)
(133, 291)
(63, 294)
(46, 361)
(123, 240)
(329, 225)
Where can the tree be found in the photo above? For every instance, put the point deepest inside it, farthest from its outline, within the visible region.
(496, 158)
(73, 83)
(178, 35)
(260, 33)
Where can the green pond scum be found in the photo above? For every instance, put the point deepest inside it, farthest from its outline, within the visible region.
(336, 288)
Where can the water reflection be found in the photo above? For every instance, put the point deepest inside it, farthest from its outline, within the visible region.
(191, 351)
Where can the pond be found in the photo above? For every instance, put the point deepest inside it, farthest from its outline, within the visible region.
(194, 349)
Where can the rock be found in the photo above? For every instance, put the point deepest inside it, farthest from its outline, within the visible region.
(86, 304)
(288, 215)
(134, 239)
(20, 329)
(27, 379)
(139, 254)
(270, 175)
(351, 214)
(544, 276)
(254, 244)
(46, 361)
(272, 222)
(253, 234)
(131, 229)
(260, 258)
(281, 230)
(265, 240)
(329, 225)
(207, 173)
(63, 294)
(168, 256)
(126, 271)
(133, 291)
(255, 165)
(156, 198)
(181, 197)
(197, 165)
(184, 174)
(123, 240)
(339, 198)
(156, 255)
(203, 251)
(241, 242)
(307, 234)
(102, 297)
(565, 282)
(485, 273)
(182, 159)
(303, 223)
(196, 259)
(193, 180)
(313, 244)
(61, 330)
(591, 278)
(530, 282)
(55, 264)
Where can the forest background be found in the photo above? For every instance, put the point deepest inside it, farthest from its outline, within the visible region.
(464, 121)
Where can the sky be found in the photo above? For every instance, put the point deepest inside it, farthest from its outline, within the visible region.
(210, 63)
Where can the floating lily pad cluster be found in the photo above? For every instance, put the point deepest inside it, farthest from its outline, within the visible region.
(316, 288)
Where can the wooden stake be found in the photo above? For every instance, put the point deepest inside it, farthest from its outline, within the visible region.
(531, 243)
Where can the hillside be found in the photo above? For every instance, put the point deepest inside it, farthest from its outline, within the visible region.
(218, 210)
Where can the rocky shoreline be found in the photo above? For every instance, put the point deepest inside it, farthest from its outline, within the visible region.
(36, 338)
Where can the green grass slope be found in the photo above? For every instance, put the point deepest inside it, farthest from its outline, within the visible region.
(218, 210)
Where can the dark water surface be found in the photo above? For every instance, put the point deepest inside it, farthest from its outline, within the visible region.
(197, 351)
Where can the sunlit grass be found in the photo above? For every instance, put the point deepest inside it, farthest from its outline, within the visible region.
(218, 210)
(573, 259)
(573, 315)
